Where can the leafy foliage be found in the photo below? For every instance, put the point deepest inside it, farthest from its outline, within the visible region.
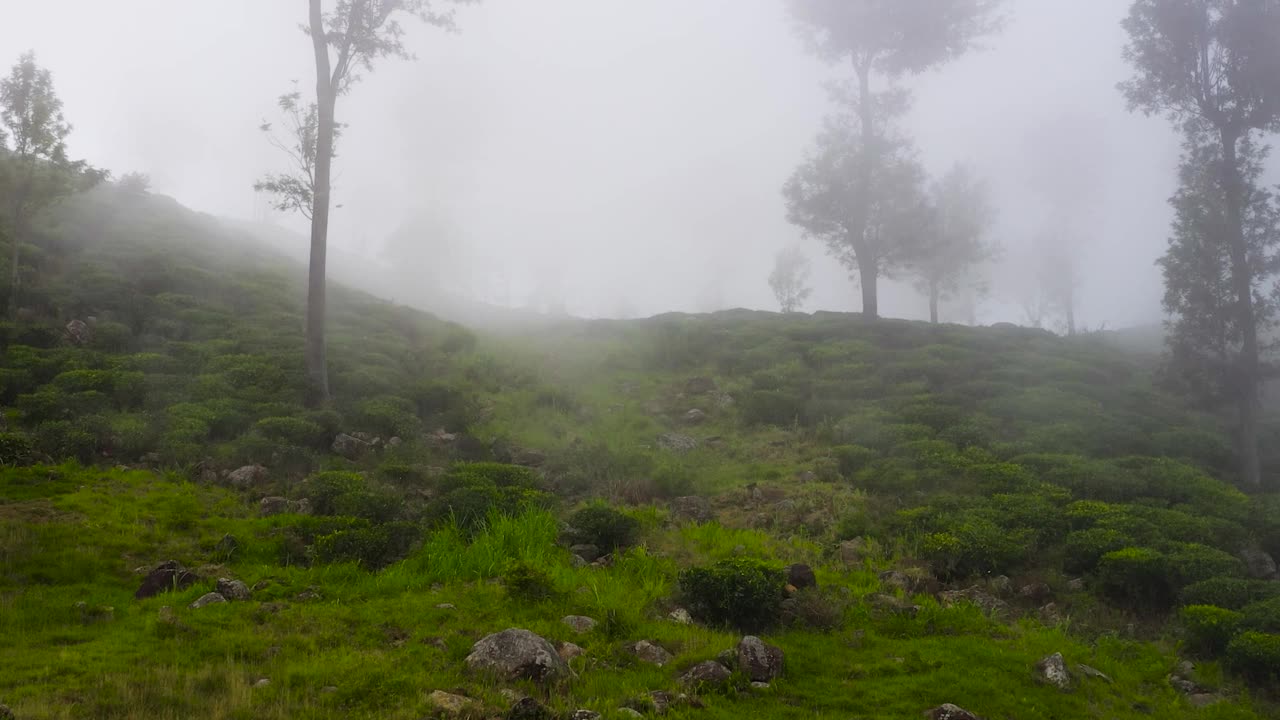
(741, 593)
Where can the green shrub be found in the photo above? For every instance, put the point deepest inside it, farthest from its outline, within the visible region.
(325, 488)
(292, 430)
(1191, 563)
(772, 407)
(62, 439)
(470, 507)
(1208, 628)
(1084, 514)
(1084, 549)
(816, 609)
(373, 547)
(604, 527)
(489, 474)
(1232, 593)
(741, 593)
(852, 458)
(975, 545)
(389, 416)
(1255, 655)
(526, 583)
(1136, 578)
(15, 449)
(1262, 616)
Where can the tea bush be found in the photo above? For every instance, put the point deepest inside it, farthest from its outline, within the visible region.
(1232, 593)
(604, 527)
(741, 593)
(1209, 629)
(1255, 655)
(1136, 577)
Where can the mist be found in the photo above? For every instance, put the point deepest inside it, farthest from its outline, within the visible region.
(610, 158)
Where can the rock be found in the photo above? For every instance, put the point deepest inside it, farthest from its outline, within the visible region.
(394, 442)
(227, 546)
(728, 658)
(1001, 585)
(760, 662)
(1186, 667)
(516, 654)
(1259, 563)
(1053, 670)
(446, 606)
(1036, 592)
(579, 623)
(1183, 685)
(589, 553)
(682, 616)
(584, 715)
(1091, 672)
(1049, 614)
(1203, 699)
(947, 711)
(95, 614)
(661, 701)
(273, 505)
(651, 653)
(677, 443)
(168, 575)
(528, 458)
(207, 599)
(528, 709)
(629, 712)
(694, 417)
(706, 673)
(568, 651)
(232, 589)
(700, 386)
(167, 616)
(807, 476)
(801, 576)
(262, 682)
(892, 603)
(243, 478)
(79, 333)
(989, 603)
(853, 552)
(722, 400)
(450, 704)
(759, 686)
(309, 594)
(1076, 585)
(350, 447)
(692, 507)
(898, 580)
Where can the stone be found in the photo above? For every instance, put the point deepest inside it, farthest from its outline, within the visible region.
(1053, 670)
(450, 704)
(585, 715)
(446, 606)
(79, 333)
(947, 711)
(579, 623)
(1049, 614)
(528, 709)
(755, 685)
(568, 651)
(168, 575)
(706, 673)
(589, 553)
(167, 616)
(1076, 585)
(892, 603)
(227, 546)
(692, 507)
(682, 616)
(247, 476)
(759, 661)
(262, 682)
(661, 701)
(629, 712)
(1091, 672)
(528, 458)
(273, 505)
(853, 552)
(651, 652)
(700, 386)
(1203, 699)
(898, 580)
(800, 576)
(988, 603)
(232, 589)
(1001, 585)
(516, 654)
(1259, 563)
(206, 600)
(694, 417)
(394, 442)
(1036, 592)
(677, 443)
(308, 594)
(350, 447)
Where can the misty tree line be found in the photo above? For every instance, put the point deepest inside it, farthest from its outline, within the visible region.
(1212, 67)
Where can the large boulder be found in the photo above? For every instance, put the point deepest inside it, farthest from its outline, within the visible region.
(516, 654)
(706, 673)
(248, 476)
(1260, 564)
(800, 576)
(760, 662)
(692, 507)
(350, 447)
(651, 652)
(168, 575)
(1053, 670)
(232, 589)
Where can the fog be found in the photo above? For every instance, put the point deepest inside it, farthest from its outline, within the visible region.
(617, 157)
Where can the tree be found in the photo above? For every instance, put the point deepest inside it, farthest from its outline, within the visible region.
(954, 240)
(37, 171)
(889, 38)
(1205, 338)
(345, 42)
(1213, 67)
(1060, 279)
(869, 212)
(790, 278)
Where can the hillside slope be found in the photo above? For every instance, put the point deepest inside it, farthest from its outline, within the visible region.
(971, 501)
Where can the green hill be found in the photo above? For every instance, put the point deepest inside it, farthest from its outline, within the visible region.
(971, 501)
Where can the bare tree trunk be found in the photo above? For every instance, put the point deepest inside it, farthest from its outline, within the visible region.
(14, 258)
(933, 303)
(326, 99)
(1242, 282)
(1071, 313)
(867, 270)
(868, 276)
